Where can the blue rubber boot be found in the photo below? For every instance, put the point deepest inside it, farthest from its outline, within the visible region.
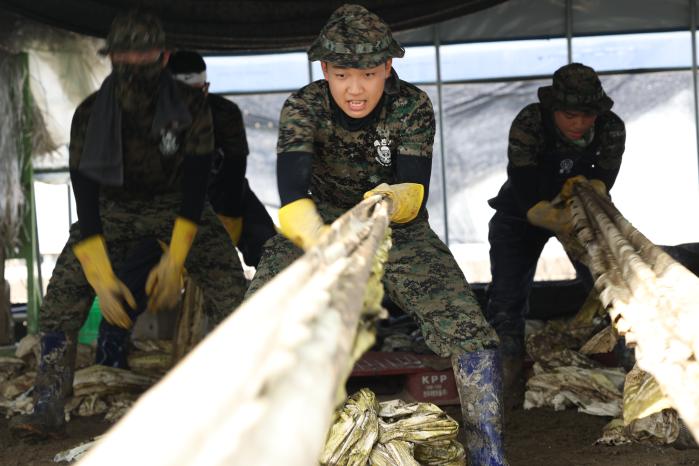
(54, 383)
(479, 382)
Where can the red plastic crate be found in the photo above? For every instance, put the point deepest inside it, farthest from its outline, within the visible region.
(427, 378)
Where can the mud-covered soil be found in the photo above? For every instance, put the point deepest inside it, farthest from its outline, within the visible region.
(566, 438)
(535, 438)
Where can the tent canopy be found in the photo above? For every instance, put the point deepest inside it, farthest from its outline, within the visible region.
(220, 25)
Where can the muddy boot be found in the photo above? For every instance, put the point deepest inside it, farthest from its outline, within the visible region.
(513, 379)
(479, 382)
(54, 383)
(112, 346)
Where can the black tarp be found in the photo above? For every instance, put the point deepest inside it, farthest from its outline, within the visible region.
(219, 25)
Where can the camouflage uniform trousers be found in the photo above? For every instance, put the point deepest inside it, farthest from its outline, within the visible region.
(212, 263)
(422, 278)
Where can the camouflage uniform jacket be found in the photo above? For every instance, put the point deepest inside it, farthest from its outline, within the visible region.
(148, 172)
(346, 164)
(540, 159)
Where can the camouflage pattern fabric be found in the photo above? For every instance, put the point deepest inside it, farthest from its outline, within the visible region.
(528, 139)
(152, 166)
(422, 278)
(356, 38)
(146, 206)
(346, 164)
(575, 87)
(421, 275)
(540, 159)
(212, 263)
(136, 31)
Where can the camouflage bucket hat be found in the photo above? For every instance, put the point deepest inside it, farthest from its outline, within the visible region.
(356, 38)
(575, 87)
(135, 31)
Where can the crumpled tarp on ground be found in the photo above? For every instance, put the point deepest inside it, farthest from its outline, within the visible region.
(565, 377)
(661, 428)
(648, 416)
(96, 389)
(596, 391)
(394, 433)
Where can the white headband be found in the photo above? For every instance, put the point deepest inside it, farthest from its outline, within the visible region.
(191, 79)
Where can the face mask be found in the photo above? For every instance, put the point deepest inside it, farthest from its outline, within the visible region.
(136, 85)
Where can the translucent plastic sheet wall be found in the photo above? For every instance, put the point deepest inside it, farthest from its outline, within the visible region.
(477, 120)
(12, 78)
(261, 116)
(656, 188)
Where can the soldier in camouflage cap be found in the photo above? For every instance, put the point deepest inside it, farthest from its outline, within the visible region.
(575, 87)
(134, 31)
(362, 131)
(569, 135)
(140, 154)
(354, 37)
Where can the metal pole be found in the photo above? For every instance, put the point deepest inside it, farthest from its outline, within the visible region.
(569, 28)
(70, 207)
(30, 248)
(37, 249)
(440, 105)
(310, 71)
(693, 28)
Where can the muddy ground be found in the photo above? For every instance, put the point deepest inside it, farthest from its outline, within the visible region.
(536, 437)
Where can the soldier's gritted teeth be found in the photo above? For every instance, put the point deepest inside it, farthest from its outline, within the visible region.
(356, 91)
(574, 124)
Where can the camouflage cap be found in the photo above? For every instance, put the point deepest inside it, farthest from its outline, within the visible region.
(575, 87)
(356, 38)
(135, 31)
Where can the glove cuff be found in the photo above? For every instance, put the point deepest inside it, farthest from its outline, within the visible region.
(300, 222)
(92, 255)
(408, 200)
(600, 187)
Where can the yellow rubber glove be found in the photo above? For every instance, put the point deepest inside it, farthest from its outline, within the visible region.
(407, 199)
(300, 222)
(567, 189)
(557, 219)
(112, 293)
(600, 187)
(164, 284)
(234, 227)
(597, 185)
